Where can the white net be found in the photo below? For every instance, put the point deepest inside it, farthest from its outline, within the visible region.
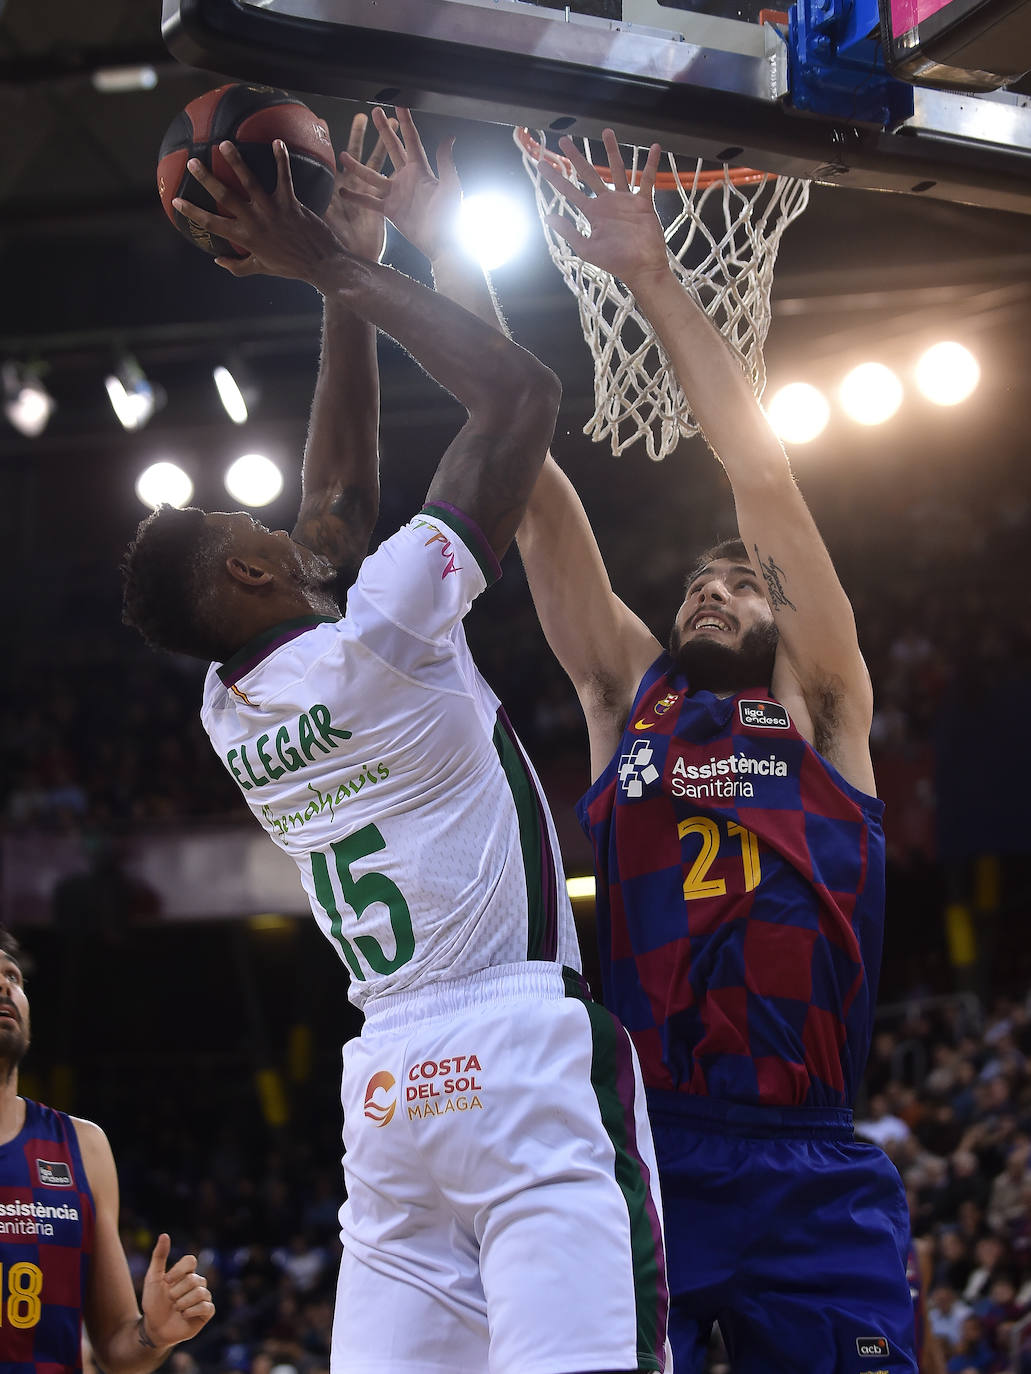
(722, 243)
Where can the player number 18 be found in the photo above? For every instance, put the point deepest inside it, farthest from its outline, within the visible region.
(24, 1285)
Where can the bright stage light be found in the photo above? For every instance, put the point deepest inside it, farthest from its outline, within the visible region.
(230, 393)
(133, 398)
(28, 405)
(163, 484)
(871, 394)
(798, 413)
(947, 374)
(254, 480)
(492, 228)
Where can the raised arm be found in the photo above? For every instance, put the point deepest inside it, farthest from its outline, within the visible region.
(176, 1301)
(340, 472)
(819, 674)
(602, 645)
(511, 398)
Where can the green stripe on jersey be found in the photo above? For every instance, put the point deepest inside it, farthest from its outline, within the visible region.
(608, 1037)
(524, 796)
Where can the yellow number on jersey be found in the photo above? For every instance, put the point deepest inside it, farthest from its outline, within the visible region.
(24, 1285)
(696, 884)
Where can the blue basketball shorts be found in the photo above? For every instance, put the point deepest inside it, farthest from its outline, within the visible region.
(785, 1231)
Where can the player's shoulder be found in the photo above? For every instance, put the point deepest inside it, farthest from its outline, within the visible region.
(97, 1157)
(91, 1137)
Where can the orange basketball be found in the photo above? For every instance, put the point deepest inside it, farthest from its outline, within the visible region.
(251, 117)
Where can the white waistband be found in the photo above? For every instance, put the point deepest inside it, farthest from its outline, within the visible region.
(485, 987)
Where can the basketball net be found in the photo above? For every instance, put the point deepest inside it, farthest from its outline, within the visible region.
(722, 245)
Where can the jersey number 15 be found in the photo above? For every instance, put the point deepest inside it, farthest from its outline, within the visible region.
(360, 893)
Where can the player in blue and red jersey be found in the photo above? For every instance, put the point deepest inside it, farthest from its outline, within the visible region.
(61, 1259)
(740, 866)
(740, 857)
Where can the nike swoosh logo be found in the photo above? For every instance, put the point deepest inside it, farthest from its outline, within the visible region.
(642, 724)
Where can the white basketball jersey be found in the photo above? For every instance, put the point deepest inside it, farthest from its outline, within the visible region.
(373, 752)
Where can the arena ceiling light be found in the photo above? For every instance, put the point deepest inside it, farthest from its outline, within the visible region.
(871, 394)
(116, 80)
(798, 413)
(231, 393)
(133, 398)
(253, 480)
(28, 405)
(948, 373)
(492, 227)
(164, 484)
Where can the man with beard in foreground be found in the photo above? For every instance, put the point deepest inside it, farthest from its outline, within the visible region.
(62, 1264)
(740, 867)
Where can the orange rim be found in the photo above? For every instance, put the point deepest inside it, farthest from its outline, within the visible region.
(664, 181)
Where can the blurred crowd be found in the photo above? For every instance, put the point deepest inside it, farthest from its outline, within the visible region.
(947, 1095)
(97, 736)
(105, 734)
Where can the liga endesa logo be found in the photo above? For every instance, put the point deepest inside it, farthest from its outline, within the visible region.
(380, 1104)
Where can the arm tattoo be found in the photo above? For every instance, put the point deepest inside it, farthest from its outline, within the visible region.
(774, 583)
(143, 1338)
(341, 530)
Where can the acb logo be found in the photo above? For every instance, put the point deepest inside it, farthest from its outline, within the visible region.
(872, 1347)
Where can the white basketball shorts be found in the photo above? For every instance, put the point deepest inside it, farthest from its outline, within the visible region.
(502, 1207)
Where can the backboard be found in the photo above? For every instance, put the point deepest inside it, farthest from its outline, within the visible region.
(810, 97)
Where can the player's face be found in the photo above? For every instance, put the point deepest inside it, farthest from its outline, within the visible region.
(291, 561)
(14, 1013)
(724, 637)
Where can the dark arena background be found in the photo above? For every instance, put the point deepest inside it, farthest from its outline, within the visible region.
(180, 996)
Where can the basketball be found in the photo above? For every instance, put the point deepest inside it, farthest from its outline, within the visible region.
(251, 117)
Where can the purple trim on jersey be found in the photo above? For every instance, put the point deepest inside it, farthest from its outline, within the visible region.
(543, 944)
(472, 536)
(626, 1088)
(256, 650)
(916, 1289)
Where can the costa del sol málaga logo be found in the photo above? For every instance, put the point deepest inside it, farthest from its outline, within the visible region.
(380, 1102)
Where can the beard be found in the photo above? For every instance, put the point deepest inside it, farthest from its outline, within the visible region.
(14, 1045)
(713, 667)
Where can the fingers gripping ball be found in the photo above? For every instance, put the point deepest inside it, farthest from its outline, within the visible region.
(251, 117)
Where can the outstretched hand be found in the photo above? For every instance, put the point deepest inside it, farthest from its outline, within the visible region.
(359, 226)
(281, 237)
(626, 237)
(176, 1302)
(420, 203)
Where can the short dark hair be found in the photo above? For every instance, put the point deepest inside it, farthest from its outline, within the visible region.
(10, 946)
(167, 583)
(733, 549)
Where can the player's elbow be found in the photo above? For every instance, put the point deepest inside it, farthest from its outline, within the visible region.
(517, 386)
(530, 403)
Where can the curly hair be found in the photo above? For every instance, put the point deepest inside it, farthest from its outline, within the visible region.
(167, 583)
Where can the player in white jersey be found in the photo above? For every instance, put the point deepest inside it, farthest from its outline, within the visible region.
(502, 1211)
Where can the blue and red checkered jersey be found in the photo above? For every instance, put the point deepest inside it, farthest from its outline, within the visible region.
(740, 899)
(46, 1241)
